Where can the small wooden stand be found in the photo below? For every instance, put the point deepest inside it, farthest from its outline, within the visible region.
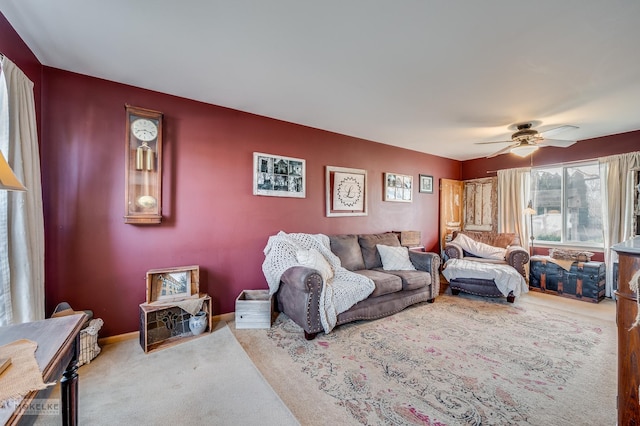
(254, 309)
(162, 326)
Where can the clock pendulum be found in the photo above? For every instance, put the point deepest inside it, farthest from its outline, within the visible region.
(145, 158)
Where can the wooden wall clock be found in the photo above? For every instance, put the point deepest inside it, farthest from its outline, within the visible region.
(143, 178)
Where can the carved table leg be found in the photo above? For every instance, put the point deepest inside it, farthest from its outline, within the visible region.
(69, 388)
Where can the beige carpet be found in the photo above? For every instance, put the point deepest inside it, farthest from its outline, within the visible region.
(463, 360)
(205, 381)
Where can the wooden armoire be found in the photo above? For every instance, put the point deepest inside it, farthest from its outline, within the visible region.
(470, 205)
(628, 338)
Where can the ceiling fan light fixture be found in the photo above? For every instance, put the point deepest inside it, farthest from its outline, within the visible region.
(523, 150)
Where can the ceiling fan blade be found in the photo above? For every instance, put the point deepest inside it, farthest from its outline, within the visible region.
(556, 130)
(502, 151)
(485, 143)
(556, 142)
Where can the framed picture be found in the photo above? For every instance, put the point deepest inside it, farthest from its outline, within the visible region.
(171, 286)
(346, 191)
(426, 184)
(278, 176)
(398, 187)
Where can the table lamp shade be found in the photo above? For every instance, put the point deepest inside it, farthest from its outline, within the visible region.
(8, 181)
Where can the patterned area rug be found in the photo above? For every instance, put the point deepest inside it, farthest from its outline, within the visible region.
(460, 361)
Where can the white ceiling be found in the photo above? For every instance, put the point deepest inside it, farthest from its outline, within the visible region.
(434, 76)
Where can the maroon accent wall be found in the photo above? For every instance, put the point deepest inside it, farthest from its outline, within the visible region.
(95, 261)
(582, 150)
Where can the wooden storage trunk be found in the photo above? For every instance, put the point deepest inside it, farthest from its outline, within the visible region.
(254, 309)
(162, 326)
(584, 281)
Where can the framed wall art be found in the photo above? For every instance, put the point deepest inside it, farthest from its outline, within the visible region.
(398, 187)
(278, 176)
(346, 191)
(173, 284)
(426, 184)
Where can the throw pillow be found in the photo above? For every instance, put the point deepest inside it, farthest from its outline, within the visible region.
(395, 258)
(313, 259)
(368, 243)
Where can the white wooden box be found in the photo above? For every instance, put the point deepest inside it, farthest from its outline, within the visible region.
(254, 309)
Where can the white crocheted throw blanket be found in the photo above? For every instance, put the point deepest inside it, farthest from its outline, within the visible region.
(339, 293)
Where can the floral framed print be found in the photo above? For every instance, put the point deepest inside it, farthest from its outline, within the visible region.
(278, 176)
(426, 184)
(346, 191)
(398, 187)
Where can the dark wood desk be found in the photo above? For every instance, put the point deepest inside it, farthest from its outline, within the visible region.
(57, 355)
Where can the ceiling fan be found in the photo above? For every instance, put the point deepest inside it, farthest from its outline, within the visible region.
(527, 140)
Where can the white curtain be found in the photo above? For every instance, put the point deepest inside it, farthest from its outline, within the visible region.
(617, 205)
(21, 213)
(513, 195)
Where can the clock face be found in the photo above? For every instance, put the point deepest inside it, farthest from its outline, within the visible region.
(144, 129)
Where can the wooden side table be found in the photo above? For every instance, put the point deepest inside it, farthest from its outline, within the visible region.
(57, 355)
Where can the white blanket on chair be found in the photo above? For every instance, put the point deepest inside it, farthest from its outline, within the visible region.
(339, 293)
(479, 249)
(506, 277)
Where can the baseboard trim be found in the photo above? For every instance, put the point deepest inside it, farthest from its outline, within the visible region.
(118, 338)
(136, 334)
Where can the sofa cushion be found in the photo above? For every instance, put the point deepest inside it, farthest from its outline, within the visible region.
(385, 283)
(370, 252)
(395, 258)
(485, 260)
(412, 280)
(346, 247)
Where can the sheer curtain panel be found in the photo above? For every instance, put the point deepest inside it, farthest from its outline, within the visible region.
(513, 196)
(21, 213)
(617, 205)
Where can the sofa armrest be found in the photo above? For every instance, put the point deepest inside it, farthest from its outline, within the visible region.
(299, 297)
(517, 257)
(428, 262)
(453, 251)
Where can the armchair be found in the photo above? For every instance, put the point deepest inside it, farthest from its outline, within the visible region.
(487, 248)
(515, 256)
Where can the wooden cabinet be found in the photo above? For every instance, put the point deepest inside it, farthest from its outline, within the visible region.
(481, 204)
(628, 338)
(451, 193)
(470, 205)
(165, 325)
(636, 201)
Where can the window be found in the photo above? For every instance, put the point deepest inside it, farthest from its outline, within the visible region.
(568, 205)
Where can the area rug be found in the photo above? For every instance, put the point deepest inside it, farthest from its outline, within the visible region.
(459, 361)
